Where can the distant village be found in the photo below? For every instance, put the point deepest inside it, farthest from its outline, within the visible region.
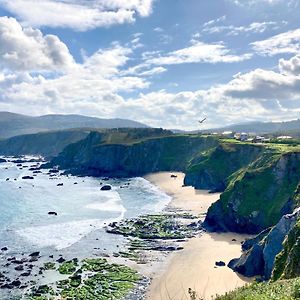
(250, 137)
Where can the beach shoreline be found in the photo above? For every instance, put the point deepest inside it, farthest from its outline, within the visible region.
(194, 267)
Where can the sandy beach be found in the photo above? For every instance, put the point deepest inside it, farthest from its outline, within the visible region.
(194, 267)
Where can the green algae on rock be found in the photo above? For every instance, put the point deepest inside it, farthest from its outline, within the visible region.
(160, 226)
(91, 279)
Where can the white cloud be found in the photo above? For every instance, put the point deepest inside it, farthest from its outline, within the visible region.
(289, 3)
(287, 42)
(78, 14)
(264, 84)
(214, 21)
(198, 52)
(255, 27)
(291, 66)
(27, 49)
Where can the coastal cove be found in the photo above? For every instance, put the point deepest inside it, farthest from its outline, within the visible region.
(195, 266)
(78, 230)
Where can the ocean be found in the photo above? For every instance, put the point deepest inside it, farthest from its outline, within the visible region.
(83, 211)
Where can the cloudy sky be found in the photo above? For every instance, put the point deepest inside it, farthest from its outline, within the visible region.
(167, 63)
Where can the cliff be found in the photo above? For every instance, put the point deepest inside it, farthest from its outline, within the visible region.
(212, 170)
(127, 153)
(258, 195)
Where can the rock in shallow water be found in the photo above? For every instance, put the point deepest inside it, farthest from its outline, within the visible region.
(106, 188)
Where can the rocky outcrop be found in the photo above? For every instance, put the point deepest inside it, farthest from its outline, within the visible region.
(259, 258)
(257, 196)
(212, 170)
(100, 155)
(287, 262)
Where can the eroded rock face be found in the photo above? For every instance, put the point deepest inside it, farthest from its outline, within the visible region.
(97, 157)
(260, 252)
(211, 172)
(257, 196)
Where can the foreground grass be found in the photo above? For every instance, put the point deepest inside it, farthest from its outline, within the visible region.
(279, 290)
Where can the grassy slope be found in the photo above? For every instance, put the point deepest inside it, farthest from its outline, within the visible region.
(215, 165)
(279, 290)
(262, 187)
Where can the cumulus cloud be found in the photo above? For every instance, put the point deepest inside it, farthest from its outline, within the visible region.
(291, 66)
(27, 49)
(77, 14)
(198, 52)
(98, 88)
(287, 42)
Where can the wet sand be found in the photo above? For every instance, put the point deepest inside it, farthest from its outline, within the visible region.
(194, 267)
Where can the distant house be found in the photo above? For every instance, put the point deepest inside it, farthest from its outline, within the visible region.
(261, 139)
(241, 136)
(229, 134)
(284, 137)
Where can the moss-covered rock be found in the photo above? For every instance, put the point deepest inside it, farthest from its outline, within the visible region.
(68, 267)
(93, 279)
(161, 226)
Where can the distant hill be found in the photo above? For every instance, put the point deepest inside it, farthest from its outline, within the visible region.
(263, 128)
(12, 124)
(47, 144)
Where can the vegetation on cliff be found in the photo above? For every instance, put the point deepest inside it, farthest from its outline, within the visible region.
(126, 153)
(258, 195)
(287, 263)
(279, 290)
(214, 167)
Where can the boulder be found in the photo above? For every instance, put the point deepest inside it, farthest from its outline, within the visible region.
(106, 188)
(220, 263)
(52, 213)
(27, 177)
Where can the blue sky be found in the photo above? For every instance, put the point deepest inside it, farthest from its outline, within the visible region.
(167, 63)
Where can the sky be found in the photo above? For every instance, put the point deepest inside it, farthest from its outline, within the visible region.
(166, 63)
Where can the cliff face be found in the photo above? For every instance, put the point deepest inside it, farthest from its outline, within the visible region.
(215, 166)
(96, 156)
(287, 262)
(257, 196)
(260, 253)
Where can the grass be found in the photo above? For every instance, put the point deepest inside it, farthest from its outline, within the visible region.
(279, 290)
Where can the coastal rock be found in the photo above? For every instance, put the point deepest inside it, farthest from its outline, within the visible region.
(260, 252)
(52, 213)
(106, 188)
(34, 254)
(2, 160)
(220, 264)
(60, 184)
(27, 177)
(61, 260)
(19, 268)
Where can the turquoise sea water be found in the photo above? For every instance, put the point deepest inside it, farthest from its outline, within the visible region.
(82, 209)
